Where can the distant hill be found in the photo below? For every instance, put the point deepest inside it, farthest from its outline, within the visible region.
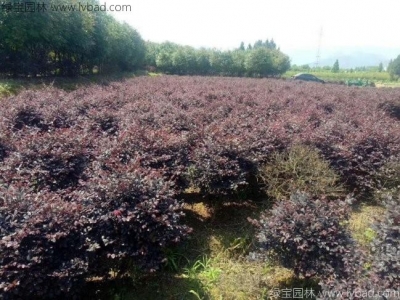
(348, 58)
(358, 59)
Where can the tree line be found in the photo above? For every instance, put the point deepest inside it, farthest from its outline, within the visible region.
(69, 43)
(260, 60)
(66, 43)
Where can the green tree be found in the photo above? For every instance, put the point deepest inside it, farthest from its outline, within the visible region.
(191, 60)
(176, 59)
(305, 67)
(270, 44)
(394, 68)
(152, 50)
(126, 48)
(179, 62)
(221, 62)
(242, 48)
(259, 62)
(280, 62)
(164, 57)
(380, 67)
(203, 61)
(238, 67)
(335, 68)
(258, 44)
(66, 42)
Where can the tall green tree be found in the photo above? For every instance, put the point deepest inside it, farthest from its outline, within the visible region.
(66, 42)
(258, 62)
(238, 63)
(258, 44)
(280, 62)
(335, 68)
(203, 61)
(394, 68)
(380, 67)
(219, 62)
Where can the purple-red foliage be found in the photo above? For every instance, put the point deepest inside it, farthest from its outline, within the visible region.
(308, 235)
(74, 167)
(51, 240)
(70, 199)
(383, 273)
(222, 129)
(386, 246)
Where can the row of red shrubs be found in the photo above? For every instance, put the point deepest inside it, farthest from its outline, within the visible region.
(94, 174)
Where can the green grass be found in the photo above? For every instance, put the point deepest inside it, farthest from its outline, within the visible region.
(378, 77)
(212, 264)
(390, 84)
(9, 87)
(360, 223)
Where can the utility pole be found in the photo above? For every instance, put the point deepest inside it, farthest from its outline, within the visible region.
(319, 48)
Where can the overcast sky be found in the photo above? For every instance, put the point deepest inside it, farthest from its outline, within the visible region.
(294, 24)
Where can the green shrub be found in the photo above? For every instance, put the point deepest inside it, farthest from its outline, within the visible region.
(301, 168)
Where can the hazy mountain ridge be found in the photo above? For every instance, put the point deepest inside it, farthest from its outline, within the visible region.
(348, 58)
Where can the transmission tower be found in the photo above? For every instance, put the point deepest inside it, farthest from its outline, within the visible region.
(319, 48)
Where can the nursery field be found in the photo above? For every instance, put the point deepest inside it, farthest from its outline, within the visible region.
(175, 187)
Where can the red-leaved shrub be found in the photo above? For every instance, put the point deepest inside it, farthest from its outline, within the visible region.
(93, 173)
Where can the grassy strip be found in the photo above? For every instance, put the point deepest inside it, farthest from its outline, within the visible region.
(12, 86)
(214, 264)
(343, 76)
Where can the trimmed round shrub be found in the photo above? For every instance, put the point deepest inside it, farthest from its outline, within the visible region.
(300, 168)
(386, 246)
(309, 236)
(381, 273)
(51, 244)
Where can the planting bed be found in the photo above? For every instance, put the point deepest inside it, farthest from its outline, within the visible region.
(96, 175)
